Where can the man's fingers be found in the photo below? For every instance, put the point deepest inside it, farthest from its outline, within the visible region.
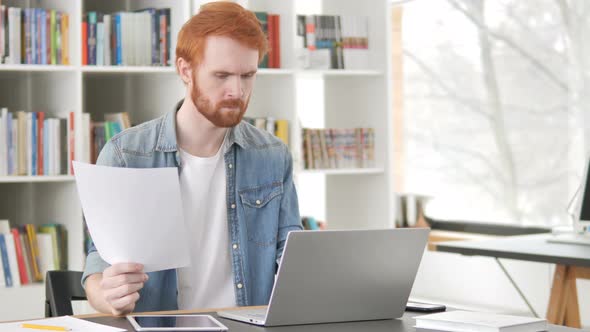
(123, 311)
(125, 302)
(122, 279)
(122, 291)
(121, 268)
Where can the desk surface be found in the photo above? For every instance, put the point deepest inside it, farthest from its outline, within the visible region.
(405, 324)
(526, 247)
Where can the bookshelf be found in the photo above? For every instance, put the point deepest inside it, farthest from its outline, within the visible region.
(36, 179)
(353, 198)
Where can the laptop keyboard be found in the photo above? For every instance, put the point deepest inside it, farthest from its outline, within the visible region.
(257, 313)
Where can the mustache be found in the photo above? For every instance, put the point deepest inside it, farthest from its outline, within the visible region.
(232, 103)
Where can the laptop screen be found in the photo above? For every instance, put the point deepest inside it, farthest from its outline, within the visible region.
(585, 209)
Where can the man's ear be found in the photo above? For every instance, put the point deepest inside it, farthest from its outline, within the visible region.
(184, 70)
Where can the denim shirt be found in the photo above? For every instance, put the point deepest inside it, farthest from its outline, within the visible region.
(262, 205)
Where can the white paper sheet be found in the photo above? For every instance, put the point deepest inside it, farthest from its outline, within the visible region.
(134, 214)
(74, 324)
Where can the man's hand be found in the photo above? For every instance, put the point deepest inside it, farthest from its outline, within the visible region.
(117, 289)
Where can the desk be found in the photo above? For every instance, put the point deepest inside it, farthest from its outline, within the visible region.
(405, 324)
(572, 261)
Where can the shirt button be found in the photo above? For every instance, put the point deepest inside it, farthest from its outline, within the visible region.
(230, 166)
(257, 202)
(235, 246)
(240, 286)
(233, 206)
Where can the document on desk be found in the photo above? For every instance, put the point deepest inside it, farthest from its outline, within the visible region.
(64, 323)
(134, 214)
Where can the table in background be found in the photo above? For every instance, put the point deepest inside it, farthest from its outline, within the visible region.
(572, 261)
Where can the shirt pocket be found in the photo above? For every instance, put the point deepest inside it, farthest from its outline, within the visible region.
(261, 207)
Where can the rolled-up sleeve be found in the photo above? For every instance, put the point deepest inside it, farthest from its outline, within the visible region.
(110, 155)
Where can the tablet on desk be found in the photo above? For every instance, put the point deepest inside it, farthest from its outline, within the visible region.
(175, 323)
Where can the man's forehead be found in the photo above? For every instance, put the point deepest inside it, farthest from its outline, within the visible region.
(224, 53)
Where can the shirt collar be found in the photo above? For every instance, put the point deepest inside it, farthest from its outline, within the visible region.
(167, 133)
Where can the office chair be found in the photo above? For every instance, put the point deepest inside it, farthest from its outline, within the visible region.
(61, 288)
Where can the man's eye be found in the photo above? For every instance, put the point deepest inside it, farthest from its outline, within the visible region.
(249, 75)
(222, 76)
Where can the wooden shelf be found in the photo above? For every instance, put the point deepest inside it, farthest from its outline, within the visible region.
(37, 68)
(344, 171)
(339, 72)
(128, 69)
(36, 178)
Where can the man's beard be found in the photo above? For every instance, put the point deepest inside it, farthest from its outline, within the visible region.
(229, 117)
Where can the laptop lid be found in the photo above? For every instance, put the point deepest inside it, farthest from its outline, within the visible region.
(348, 275)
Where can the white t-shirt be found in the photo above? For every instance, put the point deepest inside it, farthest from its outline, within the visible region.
(208, 282)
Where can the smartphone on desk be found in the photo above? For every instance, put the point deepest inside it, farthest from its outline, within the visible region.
(425, 307)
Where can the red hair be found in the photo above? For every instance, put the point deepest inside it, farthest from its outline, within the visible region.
(221, 18)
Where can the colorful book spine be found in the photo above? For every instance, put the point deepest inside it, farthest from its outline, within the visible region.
(34, 246)
(27, 41)
(100, 43)
(65, 38)
(5, 261)
(84, 41)
(53, 38)
(40, 149)
(10, 144)
(92, 38)
(263, 19)
(33, 27)
(43, 25)
(34, 143)
(71, 143)
(20, 256)
(118, 43)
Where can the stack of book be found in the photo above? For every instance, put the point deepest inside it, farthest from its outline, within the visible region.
(339, 148)
(468, 321)
(103, 131)
(312, 224)
(139, 38)
(28, 252)
(34, 36)
(333, 42)
(32, 144)
(271, 26)
(279, 128)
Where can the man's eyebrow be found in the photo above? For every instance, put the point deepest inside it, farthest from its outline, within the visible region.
(223, 72)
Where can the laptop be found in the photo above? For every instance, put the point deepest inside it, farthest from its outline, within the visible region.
(340, 276)
(579, 210)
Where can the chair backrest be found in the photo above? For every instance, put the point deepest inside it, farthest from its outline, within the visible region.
(61, 288)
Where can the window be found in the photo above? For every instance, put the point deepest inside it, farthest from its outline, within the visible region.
(495, 102)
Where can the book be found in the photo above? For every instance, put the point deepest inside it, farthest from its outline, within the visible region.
(34, 253)
(84, 29)
(4, 226)
(263, 19)
(46, 254)
(282, 130)
(12, 259)
(464, 321)
(54, 234)
(65, 39)
(20, 256)
(2, 277)
(5, 262)
(26, 253)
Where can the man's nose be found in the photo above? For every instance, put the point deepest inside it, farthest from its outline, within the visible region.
(235, 89)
